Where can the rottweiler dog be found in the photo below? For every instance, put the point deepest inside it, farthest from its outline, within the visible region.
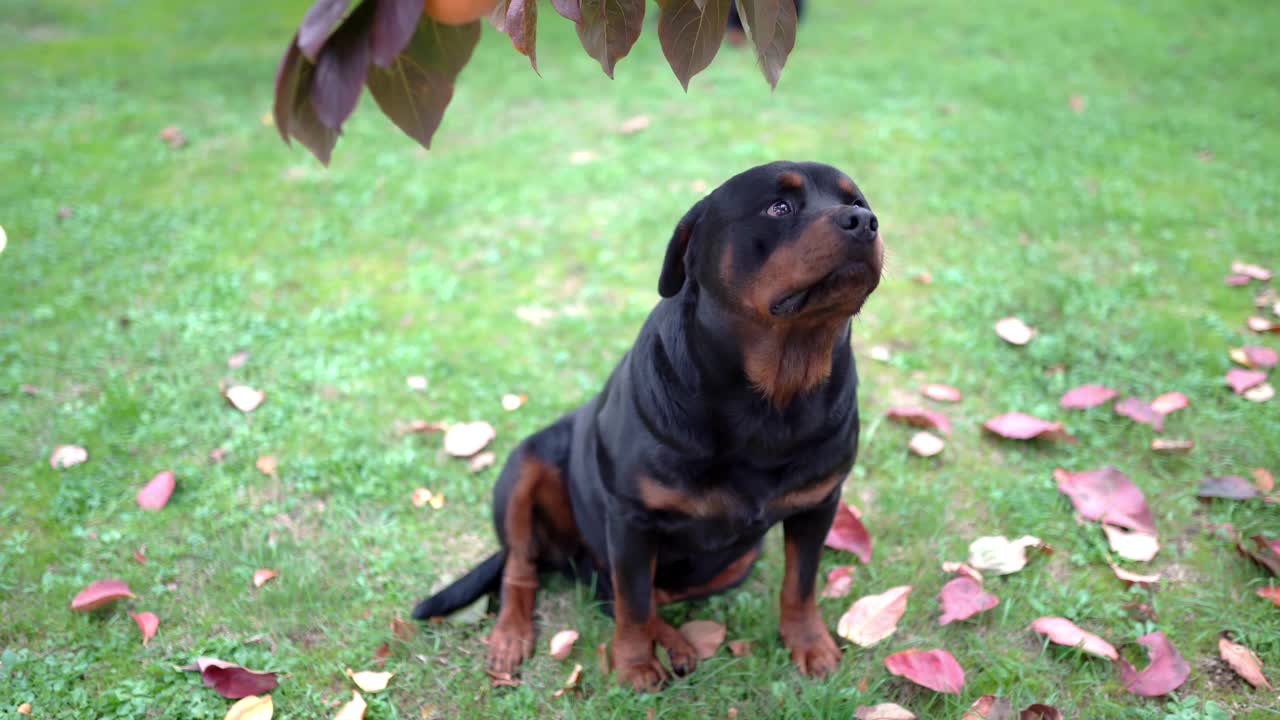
(735, 409)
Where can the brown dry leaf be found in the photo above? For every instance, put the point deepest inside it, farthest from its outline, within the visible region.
(173, 136)
(960, 568)
(570, 683)
(1172, 446)
(941, 393)
(403, 630)
(1014, 331)
(421, 496)
(634, 124)
(251, 707)
(24, 709)
(268, 464)
(883, 711)
(706, 636)
(874, 617)
(1244, 662)
(1260, 393)
(999, 555)
(65, 456)
(1138, 546)
(740, 648)
(1132, 577)
(926, 444)
(370, 681)
(353, 710)
(562, 643)
(467, 439)
(511, 402)
(1077, 103)
(263, 576)
(1038, 711)
(482, 461)
(417, 383)
(1263, 480)
(244, 398)
(237, 360)
(603, 658)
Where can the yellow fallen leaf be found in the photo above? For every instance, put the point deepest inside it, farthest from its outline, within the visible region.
(421, 496)
(353, 710)
(369, 681)
(251, 707)
(436, 501)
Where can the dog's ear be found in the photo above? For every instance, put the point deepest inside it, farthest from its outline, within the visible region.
(673, 265)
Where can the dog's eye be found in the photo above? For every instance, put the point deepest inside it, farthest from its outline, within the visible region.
(779, 208)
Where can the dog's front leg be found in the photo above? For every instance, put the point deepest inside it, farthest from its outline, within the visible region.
(632, 557)
(803, 631)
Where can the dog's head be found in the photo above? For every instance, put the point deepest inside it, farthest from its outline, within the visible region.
(782, 243)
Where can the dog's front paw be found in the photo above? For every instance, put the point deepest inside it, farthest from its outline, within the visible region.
(812, 650)
(684, 657)
(509, 647)
(645, 676)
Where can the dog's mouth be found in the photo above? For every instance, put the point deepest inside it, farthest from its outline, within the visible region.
(846, 286)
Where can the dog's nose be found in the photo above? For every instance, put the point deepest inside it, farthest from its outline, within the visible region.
(858, 221)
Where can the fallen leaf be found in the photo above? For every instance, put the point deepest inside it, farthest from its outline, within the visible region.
(100, 593)
(571, 682)
(1263, 480)
(1169, 402)
(1132, 577)
(370, 681)
(141, 555)
(581, 157)
(1255, 357)
(603, 659)
(173, 136)
(354, 709)
(1260, 393)
(1257, 272)
(880, 353)
(990, 707)
(1138, 546)
(1260, 324)
(1171, 446)
(634, 124)
(1230, 487)
(268, 464)
(237, 360)
(482, 461)
(1266, 554)
(999, 555)
(244, 398)
(421, 496)
(839, 582)
(706, 636)
(436, 501)
(883, 711)
(416, 383)
(924, 277)
(874, 617)
(1086, 396)
(513, 402)
(941, 393)
(1240, 379)
(231, 680)
(926, 444)
(148, 623)
(420, 426)
(1167, 671)
(1064, 632)
(1140, 412)
(1020, 426)
(217, 455)
(1107, 495)
(467, 439)
(848, 533)
(251, 707)
(920, 417)
(1077, 103)
(935, 669)
(742, 648)
(1271, 593)
(403, 630)
(1236, 280)
(24, 708)
(562, 643)
(155, 494)
(963, 569)
(1244, 662)
(962, 598)
(264, 576)
(65, 456)
(1038, 711)
(1014, 331)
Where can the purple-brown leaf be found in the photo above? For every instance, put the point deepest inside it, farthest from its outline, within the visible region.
(691, 35)
(568, 9)
(609, 28)
(1230, 487)
(318, 24)
(393, 24)
(231, 680)
(294, 114)
(772, 24)
(341, 68)
(522, 27)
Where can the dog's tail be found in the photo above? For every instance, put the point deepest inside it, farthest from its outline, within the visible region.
(485, 578)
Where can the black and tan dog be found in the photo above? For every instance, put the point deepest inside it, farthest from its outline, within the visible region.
(735, 410)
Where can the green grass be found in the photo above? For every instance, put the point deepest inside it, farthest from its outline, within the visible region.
(1109, 229)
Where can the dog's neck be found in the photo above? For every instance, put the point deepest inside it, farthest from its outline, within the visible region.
(779, 361)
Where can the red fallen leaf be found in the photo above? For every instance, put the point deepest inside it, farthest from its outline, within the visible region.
(237, 360)
(1064, 632)
(141, 555)
(1236, 280)
(231, 680)
(1166, 673)
(1256, 272)
(962, 598)
(1169, 402)
(963, 569)
(740, 648)
(467, 439)
(264, 576)
(1086, 396)
(1244, 662)
(1107, 495)
(148, 623)
(941, 393)
(100, 593)
(920, 417)
(874, 617)
(1138, 546)
(1132, 577)
(990, 707)
(1255, 357)
(1265, 553)
(883, 711)
(1140, 412)
(1231, 487)
(1038, 711)
(706, 636)
(1014, 331)
(935, 669)
(155, 494)
(65, 456)
(1263, 480)
(1271, 593)
(1020, 426)
(1241, 380)
(926, 444)
(839, 582)
(562, 643)
(848, 533)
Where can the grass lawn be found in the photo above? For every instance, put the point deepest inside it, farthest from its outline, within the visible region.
(1108, 228)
